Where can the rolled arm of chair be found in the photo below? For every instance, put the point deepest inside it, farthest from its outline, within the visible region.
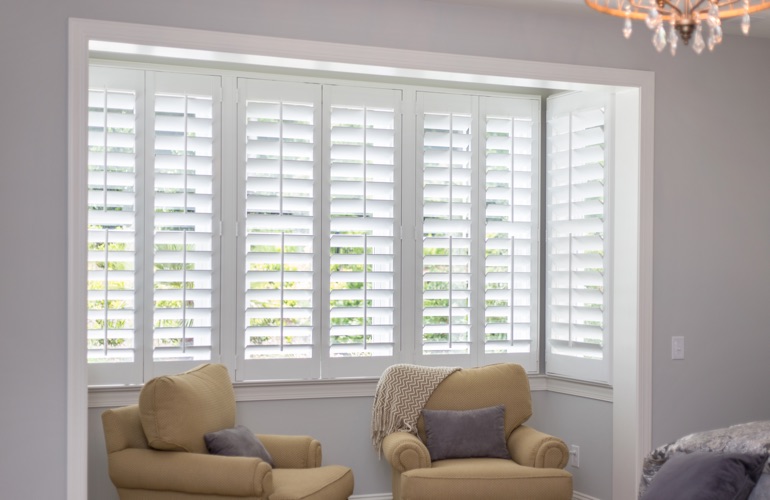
(191, 473)
(533, 448)
(292, 452)
(405, 451)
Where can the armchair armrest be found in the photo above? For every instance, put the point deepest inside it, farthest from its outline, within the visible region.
(405, 451)
(191, 473)
(533, 448)
(292, 452)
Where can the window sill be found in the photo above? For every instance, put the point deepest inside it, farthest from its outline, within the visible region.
(109, 397)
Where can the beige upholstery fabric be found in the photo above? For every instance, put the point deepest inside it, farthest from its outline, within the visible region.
(142, 473)
(136, 470)
(485, 478)
(321, 483)
(505, 384)
(177, 410)
(535, 473)
(292, 452)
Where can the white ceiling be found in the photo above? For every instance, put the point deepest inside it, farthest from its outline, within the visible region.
(760, 22)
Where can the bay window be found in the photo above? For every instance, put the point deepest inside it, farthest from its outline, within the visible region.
(314, 267)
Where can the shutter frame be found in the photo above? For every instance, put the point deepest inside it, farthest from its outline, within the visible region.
(573, 351)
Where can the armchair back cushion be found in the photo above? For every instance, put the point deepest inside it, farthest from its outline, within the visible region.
(474, 388)
(178, 410)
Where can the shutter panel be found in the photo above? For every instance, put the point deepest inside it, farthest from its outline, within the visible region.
(185, 162)
(446, 155)
(576, 257)
(280, 164)
(511, 161)
(114, 173)
(362, 154)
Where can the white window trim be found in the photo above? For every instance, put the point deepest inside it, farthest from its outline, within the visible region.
(275, 390)
(632, 401)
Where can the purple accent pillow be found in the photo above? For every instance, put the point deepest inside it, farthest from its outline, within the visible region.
(466, 434)
(237, 442)
(706, 476)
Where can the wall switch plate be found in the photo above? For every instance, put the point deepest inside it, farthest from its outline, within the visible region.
(677, 347)
(574, 456)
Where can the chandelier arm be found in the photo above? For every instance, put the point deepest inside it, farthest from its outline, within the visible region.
(725, 3)
(697, 5)
(641, 4)
(671, 5)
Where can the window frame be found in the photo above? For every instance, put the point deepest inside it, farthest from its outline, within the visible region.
(632, 409)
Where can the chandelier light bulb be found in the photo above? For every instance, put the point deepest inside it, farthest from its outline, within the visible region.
(718, 34)
(713, 15)
(698, 44)
(628, 28)
(673, 39)
(659, 40)
(746, 23)
(653, 19)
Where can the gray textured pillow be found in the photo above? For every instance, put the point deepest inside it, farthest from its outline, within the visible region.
(236, 442)
(706, 476)
(466, 434)
(762, 490)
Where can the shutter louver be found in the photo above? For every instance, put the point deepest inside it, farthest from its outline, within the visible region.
(280, 235)
(447, 241)
(362, 170)
(113, 176)
(511, 278)
(576, 239)
(183, 218)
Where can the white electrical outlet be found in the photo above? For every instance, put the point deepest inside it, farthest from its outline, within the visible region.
(677, 347)
(574, 456)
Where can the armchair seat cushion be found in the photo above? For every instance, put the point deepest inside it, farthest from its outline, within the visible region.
(331, 482)
(487, 478)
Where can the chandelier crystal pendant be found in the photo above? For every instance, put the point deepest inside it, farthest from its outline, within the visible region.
(685, 18)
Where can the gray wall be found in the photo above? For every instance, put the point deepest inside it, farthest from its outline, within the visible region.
(586, 423)
(712, 209)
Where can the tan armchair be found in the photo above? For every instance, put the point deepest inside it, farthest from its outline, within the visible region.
(169, 415)
(535, 473)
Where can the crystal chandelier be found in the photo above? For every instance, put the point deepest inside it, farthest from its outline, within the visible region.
(685, 19)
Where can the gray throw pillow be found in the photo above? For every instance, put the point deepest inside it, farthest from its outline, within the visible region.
(706, 476)
(762, 490)
(237, 442)
(466, 434)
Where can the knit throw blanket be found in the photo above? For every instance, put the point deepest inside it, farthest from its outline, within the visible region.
(401, 393)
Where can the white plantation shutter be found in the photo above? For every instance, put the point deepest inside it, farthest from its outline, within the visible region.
(362, 149)
(114, 169)
(314, 276)
(185, 152)
(577, 264)
(279, 232)
(445, 138)
(511, 171)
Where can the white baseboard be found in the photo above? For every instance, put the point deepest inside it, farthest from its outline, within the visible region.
(576, 495)
(387, 496)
